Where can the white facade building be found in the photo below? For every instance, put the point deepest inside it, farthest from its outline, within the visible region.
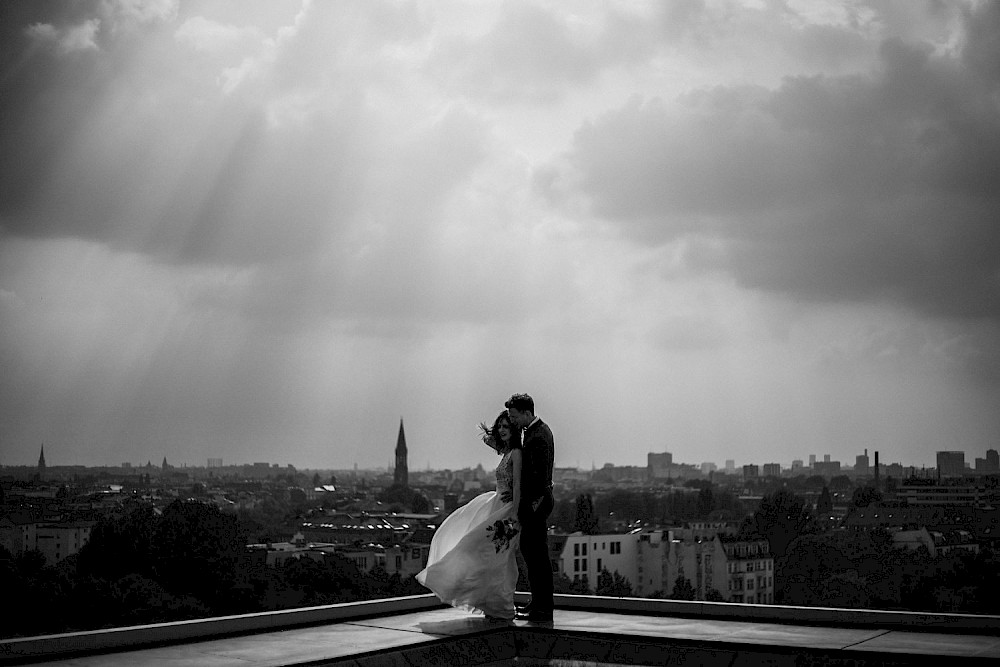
(707, 555)
(584, 556)
(57, 541)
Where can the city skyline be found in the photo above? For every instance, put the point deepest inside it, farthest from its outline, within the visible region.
(390, 467)
(724, 229)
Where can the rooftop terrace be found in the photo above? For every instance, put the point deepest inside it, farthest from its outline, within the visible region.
(587, 630)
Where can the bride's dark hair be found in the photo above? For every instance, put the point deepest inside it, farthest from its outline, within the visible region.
(494, 432)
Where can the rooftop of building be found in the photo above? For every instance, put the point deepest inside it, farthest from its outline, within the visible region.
(587, 630)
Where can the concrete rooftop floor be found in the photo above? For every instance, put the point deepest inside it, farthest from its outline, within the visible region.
(580, 636)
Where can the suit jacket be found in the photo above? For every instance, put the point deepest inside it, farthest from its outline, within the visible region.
(538, 453)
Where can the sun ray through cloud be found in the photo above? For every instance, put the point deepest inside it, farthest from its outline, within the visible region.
(264, 229)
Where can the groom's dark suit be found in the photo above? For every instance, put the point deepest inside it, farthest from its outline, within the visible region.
(533, 512)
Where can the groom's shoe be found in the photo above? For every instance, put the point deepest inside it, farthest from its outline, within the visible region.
(538, 616)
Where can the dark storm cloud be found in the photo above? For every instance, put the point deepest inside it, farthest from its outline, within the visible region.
(111, 145)
(864, 187)
(265, 230)
(47, 96)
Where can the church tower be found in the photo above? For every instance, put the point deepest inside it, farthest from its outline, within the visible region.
(41, 463)
(402, 477)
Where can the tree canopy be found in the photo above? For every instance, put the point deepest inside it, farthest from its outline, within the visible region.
(586, 515)
(780, 518)
(613, 585)
(683, 590)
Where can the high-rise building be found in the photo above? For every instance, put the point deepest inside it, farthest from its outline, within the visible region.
(730, 465)
(951, 464)
(772, 470)
(751, 471)
(861, 464)
(992, 461)
(812, 460)
(402, 474)
(826, 467)
(658, 465)
(215, 463)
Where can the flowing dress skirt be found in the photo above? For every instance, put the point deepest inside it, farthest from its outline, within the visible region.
(472, 563)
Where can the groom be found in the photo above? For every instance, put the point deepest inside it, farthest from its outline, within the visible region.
(536, 504)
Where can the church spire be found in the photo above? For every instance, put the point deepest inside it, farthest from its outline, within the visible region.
(402, 475)
(41, 460)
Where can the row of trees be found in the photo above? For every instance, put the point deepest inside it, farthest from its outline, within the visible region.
(865, 570)
(189, 562)
(613, 584)
(592, 513)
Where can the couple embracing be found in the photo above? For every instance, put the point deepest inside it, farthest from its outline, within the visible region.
(472, 562)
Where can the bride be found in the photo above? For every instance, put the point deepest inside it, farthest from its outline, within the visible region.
(471, 564)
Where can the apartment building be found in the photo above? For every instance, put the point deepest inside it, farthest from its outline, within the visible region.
(17, 533)
(403, 559)
(57, 541)
(697, 558)
(710, 557)
(584, 556)
(749, 570)
(929, 492)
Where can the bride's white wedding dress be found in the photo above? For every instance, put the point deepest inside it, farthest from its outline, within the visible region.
(471, 564)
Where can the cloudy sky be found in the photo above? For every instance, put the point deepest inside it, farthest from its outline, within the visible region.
(267, 231)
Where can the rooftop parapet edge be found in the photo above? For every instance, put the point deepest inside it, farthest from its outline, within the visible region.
(49, 647)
